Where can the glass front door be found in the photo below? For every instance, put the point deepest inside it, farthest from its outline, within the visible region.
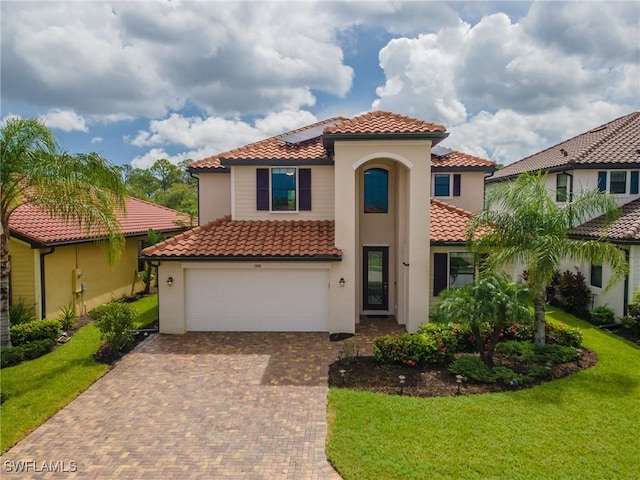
(375, 278)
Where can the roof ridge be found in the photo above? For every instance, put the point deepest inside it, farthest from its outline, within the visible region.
(605, 138)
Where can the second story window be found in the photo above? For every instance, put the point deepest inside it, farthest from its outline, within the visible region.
(561, 187)
(376, 191)
(615, 182)
(618, 182)
(283, 190)
(446, 185)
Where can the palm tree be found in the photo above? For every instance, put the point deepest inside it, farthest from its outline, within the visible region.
(82, 188)
(490, 300)
(521, 224)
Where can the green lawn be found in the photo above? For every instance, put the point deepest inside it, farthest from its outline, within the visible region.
(37, 389)
(581, 427)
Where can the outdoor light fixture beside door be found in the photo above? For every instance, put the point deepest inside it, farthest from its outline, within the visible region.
(169, 281)
(342, 281)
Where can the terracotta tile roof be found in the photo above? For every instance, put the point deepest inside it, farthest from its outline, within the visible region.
(461, 160)
(381, 122)
(225, 238)
(273, 148)
(626, 228)
(448, 223)
(37, 226)
(616, 142)
(276, 148)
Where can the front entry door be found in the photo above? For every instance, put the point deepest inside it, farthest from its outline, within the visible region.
(375, 279)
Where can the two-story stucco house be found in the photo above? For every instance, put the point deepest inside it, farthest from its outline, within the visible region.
(309, 230)
(606, 158)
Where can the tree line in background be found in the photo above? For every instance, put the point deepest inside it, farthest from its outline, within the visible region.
(165, 184)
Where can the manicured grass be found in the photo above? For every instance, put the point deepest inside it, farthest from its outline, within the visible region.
(37, 389)
(147, 308)
(581, 427)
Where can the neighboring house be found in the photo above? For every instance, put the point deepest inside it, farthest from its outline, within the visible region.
(606, 158)
(56, 263)
(309, 230)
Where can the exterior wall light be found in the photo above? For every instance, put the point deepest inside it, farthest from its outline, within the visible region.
(342, 281)
(169, 281)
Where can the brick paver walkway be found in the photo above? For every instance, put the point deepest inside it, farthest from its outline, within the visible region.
(200, 405)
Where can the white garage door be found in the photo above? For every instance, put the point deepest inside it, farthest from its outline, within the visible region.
(257, 300)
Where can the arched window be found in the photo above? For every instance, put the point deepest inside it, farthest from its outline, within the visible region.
(376, 191)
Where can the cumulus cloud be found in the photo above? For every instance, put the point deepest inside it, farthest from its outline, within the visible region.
(147, 58)
(64, 120)
(97, 140)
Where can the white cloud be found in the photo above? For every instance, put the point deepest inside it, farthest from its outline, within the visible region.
(149, 158)
(64, 120)
(97, 140)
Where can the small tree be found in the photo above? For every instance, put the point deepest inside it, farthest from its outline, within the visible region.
(148, 275)
(491, 300)
(116, 324)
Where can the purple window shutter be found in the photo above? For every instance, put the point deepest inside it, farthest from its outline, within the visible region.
(456, 185)
(304, 177)
(262, 189)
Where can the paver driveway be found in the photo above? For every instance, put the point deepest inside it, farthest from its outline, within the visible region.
(200, 405)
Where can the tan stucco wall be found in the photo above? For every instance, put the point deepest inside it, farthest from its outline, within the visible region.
(471, 190)
(214, 190)
(244, 196)
(25, 277)
(414, 156)
(104, 283)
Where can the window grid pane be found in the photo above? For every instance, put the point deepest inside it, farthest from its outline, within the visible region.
(461, 269)
(376, 191)
(561, 187)
(441, 185)
(596, 275)
(618, 182)
(283, 189)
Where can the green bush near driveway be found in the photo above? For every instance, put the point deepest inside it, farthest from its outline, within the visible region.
(35, 390)
(582, 426)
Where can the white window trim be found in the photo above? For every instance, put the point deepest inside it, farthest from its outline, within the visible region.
(271, 210)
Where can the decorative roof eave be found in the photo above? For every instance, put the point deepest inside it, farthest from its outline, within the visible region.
(229, 258)
(446, 168)
(567, 167)
(36, 243)
(196, 170)
(328, 139)
(275, 162)
(448, 243)
(617, 241)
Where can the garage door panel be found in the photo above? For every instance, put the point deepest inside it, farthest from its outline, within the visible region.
(257, 300)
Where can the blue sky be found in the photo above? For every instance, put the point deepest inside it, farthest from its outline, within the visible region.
(137, 81)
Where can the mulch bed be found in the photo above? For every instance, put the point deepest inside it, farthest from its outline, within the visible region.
(363, 373)
(106, 355)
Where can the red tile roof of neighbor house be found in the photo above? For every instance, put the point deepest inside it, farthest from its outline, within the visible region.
(460, 160)
(615, 143)
(626, 228)
(225, 238)
(277, 148)
(37, 226)
(448, 223)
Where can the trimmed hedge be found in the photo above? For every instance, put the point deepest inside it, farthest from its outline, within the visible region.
(34, 331)
(14, 355)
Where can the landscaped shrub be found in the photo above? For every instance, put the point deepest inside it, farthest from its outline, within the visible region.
(20, 312)
(410, 349)
(561, 334)
(520, 351)
(631, 321)
(33, 331)
(602, 315)
(445, 334)
(555, 354)
(115, 322)
(472, 368)
(519, 331)
(38, 348)
(574, 294)
(10, 356)
(67, 317)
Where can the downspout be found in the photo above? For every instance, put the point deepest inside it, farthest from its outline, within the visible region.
(43, 292)
(570, 196)
(484, 188)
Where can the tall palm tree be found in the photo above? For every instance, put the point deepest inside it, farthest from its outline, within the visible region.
(521, 224)
(80, 188)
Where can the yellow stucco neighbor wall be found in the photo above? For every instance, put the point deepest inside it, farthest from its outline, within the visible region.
(98, 283)
(23, 273)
